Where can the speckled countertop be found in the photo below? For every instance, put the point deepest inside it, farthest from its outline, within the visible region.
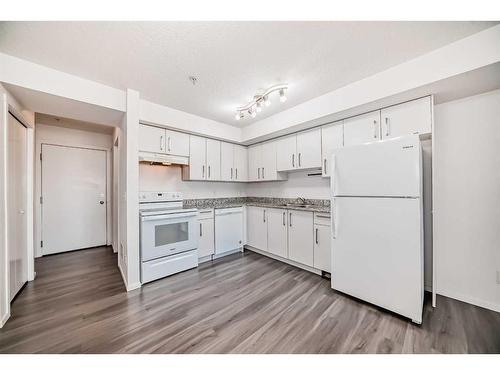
(317, 205)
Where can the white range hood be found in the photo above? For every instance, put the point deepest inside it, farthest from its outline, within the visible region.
(164, 159)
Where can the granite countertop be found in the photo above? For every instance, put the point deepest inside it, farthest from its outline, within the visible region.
(317, 205)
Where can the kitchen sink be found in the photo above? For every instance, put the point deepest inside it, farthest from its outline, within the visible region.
(298, 205)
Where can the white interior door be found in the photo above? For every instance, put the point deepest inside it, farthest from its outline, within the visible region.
(16, 205)
(74, 198)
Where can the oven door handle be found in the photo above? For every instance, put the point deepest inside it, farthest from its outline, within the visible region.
(168, 216)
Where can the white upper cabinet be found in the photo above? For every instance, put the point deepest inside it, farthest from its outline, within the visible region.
(262, 162)
(254, 162)
(160, 140)
(268, 169)
(414, 117)
(332, 137)
(299, 151)
(309, 149)
(227, 172)
(240, 163)
(362, 129)
(213, 160)
(197, 158)
(152, 139)
(286, 160)
(176, 143)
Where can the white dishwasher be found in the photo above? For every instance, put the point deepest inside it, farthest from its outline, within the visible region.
(228, 229)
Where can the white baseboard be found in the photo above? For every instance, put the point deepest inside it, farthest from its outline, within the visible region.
(134, 286)
(238, 250)
(469, 299)
(4, 319)
(284, 260)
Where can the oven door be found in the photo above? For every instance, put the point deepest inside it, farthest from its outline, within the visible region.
(168, 234)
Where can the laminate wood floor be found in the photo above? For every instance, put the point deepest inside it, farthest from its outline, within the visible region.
(243, 303)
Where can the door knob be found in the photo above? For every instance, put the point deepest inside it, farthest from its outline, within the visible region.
(101, 202)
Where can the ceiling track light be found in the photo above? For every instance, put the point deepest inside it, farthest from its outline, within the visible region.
(261, 100)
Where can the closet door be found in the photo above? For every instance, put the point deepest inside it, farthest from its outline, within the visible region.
(16, 205)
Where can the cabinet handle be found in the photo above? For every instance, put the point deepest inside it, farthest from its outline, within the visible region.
(209, 171)
(205, 212)
(236, 173)
(293, 160)
(231, 173)
(290, 219)
(375, 129)
(168, 143)
(387, 127)
(161, 142)
(202, 171)
(299, 159)
(324, 166)
(258, 173)
(284, 218)
(263, 173)
(316, 236)
(264, 216)
(201, 233)
(323, 217)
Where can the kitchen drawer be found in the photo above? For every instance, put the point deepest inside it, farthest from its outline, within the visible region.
(321, 218)
(205, 213)
(158, 268)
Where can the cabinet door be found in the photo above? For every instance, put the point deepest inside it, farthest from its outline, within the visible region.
(309, 149)
(300, 237)
(332, 137)
(257, 227)
(322, 253)
(151, 139)
(286, 159)
(213, 160)
(277, 232)
(206, 245)
(240, 163)
(408, 118)
(227, 172)
(362, 129)
(268, 166)
(254, 162)
(197, 158)
(177, 143)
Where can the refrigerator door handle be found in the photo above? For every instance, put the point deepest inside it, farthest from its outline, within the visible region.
(334, 220)
(332, 177)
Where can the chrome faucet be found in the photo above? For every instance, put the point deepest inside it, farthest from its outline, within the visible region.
(301, 200)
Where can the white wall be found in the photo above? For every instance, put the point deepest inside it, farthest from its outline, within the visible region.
(161, 178)
(69, 137)
(467, 199)
(297, 185)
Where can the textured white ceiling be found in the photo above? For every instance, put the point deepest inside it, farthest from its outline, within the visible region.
(231, 60)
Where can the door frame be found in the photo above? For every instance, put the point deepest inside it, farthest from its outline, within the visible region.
(38, 191)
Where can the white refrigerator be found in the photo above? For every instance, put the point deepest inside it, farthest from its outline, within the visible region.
(377, 226)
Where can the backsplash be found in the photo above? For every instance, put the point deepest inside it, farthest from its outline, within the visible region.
(234, 201)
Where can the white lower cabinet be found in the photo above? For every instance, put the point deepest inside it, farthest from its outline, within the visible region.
(322, 242)
(257, 227)
(206, 241)
(277, 232)
(300, 237)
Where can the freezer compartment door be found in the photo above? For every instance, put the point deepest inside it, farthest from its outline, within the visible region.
(386, 168)
(377, 252)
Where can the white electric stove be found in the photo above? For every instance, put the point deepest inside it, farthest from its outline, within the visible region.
(168, 240)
